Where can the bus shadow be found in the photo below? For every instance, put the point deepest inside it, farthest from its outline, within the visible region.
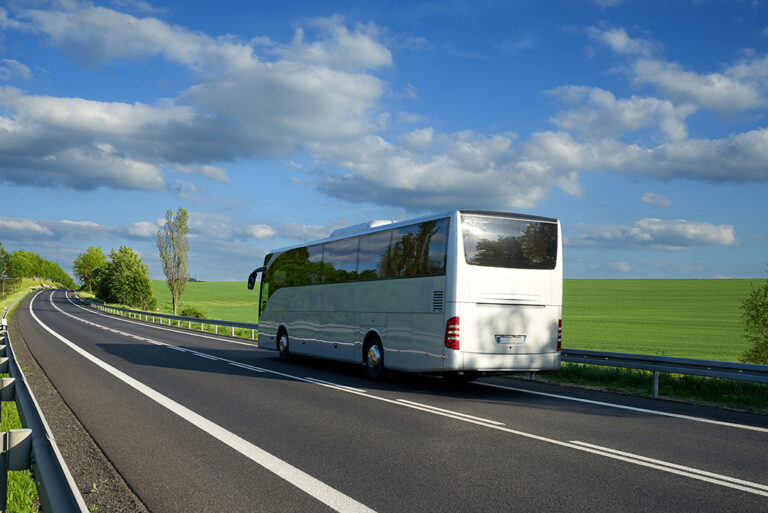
(262, 365)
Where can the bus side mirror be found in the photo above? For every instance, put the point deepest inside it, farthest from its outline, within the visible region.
(252, 277)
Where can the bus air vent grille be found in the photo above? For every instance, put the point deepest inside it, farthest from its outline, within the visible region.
(437, 301)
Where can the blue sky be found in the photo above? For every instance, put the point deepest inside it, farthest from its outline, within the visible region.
(641, 125)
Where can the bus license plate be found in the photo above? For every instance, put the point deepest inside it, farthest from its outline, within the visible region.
(510, 339)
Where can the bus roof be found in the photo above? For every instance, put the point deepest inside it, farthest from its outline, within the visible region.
(377, 226)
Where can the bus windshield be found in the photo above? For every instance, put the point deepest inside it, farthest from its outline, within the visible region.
(491, 241)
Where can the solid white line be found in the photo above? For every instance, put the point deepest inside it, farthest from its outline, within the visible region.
(673, 465)
(701, 475)
(452, 412)
(629, 408)
(312, 486)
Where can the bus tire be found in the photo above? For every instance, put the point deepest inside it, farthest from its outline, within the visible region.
(374, 359)
(283, 345)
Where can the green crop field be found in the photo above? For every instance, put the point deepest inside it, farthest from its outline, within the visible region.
(690, 318)
(231, 301)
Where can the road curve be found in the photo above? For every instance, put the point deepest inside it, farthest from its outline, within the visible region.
(205, 423)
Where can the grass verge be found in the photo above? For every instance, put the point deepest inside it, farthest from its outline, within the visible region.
(716, 392)
(22, 492)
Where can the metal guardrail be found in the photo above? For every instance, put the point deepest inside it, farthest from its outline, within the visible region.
(671, 364)
(33, 448)
(654, 363)
(142, 315)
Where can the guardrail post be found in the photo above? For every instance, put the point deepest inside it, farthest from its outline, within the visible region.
(7, 391)
(655, 384)
(16, 452)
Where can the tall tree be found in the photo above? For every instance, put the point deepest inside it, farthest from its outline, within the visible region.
(85, 265)
(5, 267)
(173, 246)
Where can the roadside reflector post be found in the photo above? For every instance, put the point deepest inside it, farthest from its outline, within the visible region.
(233, 331)
(253, 334)
(16, 455)
(655, 384)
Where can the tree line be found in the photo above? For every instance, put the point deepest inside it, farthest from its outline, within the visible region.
(124, 277)
(25, 264)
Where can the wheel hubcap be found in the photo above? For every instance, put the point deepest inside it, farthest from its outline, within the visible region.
(283, 344)
(374, 356)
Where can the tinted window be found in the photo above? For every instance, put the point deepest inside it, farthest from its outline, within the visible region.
(512, 243)
(372, 247)
(340, 259)
(416, 250)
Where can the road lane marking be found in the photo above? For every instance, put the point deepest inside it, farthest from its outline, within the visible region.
(310, 485)
(628, 408)
(464, 415)
(675, 466)
(492, 385)
(701, 475)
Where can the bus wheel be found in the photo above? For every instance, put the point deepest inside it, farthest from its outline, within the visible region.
(374, 360)
(282, 346)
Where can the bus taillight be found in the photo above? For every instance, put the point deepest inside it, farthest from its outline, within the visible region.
(559, 334)
(452, 333)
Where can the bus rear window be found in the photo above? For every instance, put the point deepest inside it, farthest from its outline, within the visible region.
(508, 242)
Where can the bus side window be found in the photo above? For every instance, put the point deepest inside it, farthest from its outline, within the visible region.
(340, 259)
(372, 248)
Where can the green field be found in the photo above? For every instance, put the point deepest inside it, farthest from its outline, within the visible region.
(691, 318)
(231, 301)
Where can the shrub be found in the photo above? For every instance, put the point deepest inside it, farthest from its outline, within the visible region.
(755, 317)
(192, 311)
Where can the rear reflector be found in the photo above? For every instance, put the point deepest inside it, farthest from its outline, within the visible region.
(452, 333)
(560, 335)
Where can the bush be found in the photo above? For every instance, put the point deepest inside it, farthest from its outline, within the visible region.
(192, 311)
(755, 317)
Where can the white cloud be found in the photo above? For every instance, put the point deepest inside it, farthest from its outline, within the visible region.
(716, 91)
(341, 50)
(602, 115)
(657, 234)
(656, 199)
(11, 68)
(260, 231)
(740, 87)
(213, 172)
(15, 228)
(142, 229)
(242, 106)
(619, 41)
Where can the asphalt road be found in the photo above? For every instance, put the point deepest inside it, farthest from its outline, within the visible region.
(203, 423)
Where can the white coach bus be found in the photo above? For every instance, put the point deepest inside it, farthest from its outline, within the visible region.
(462, 293)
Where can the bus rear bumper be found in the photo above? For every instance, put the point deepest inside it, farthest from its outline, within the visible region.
(495, 362)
